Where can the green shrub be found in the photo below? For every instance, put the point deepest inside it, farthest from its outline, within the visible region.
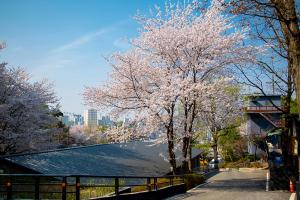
(252, 158)
(192, 180)
(222, 165)
(242, 163)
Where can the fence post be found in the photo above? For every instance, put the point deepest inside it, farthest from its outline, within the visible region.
(116, 186)
(64, 189)
(9, 189)
(37, 188)
(77, 188)
(171, 181)
(155, 183)
(149, 184)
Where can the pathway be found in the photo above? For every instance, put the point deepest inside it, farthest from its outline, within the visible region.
(234, 185)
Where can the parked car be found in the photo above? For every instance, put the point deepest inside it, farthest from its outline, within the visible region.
(212, 163)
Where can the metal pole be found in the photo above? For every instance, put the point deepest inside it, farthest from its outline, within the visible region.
(77, 188)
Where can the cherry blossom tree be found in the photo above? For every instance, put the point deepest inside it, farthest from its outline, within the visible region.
(194, 58)
(171, 65)
(26, 120)
(142, 87)
(221, 111)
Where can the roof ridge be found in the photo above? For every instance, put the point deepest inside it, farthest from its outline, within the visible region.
(65, 149)
(55, 150)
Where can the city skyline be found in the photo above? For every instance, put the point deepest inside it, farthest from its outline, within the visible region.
(65, 41)
(74, 119)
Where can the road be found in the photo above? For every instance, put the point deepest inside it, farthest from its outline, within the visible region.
(234, 185)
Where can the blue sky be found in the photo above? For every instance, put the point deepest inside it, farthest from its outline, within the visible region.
(64, 41)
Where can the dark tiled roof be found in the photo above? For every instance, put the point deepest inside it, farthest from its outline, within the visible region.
(127, 159)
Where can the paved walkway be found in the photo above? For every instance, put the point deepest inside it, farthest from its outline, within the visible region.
(234, 185)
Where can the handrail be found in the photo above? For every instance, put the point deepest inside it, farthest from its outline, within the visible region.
(271, 107)
(56, 181)
(263, 108)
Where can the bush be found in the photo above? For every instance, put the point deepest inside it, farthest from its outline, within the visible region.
(252, 158)
(243, 162)
(192, 180)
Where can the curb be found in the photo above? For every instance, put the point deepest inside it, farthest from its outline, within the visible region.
(243, 169)
(293, 196)
(250, 169)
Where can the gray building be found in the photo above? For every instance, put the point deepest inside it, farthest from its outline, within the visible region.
(264, 114)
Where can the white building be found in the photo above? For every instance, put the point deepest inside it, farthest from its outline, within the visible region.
(91, 118)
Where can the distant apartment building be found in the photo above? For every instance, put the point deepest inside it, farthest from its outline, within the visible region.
(65, 120)
(91, 119)
(71, 119)
(78, 119)
(105, 121)
(263, 115)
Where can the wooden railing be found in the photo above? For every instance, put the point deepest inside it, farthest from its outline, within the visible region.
(262, 109)
(40, 186)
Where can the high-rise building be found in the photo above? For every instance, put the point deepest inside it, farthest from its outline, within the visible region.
(90, 118)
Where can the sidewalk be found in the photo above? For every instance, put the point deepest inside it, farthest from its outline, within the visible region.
(234, 185)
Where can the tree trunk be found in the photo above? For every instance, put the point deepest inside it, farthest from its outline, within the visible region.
(190, 159)
(172, 156)
(255, 152)
(215, 149)
(189, 115)
(185, 145)
(286, 13)
(185, 139)
(170, 136)
(286, 137)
